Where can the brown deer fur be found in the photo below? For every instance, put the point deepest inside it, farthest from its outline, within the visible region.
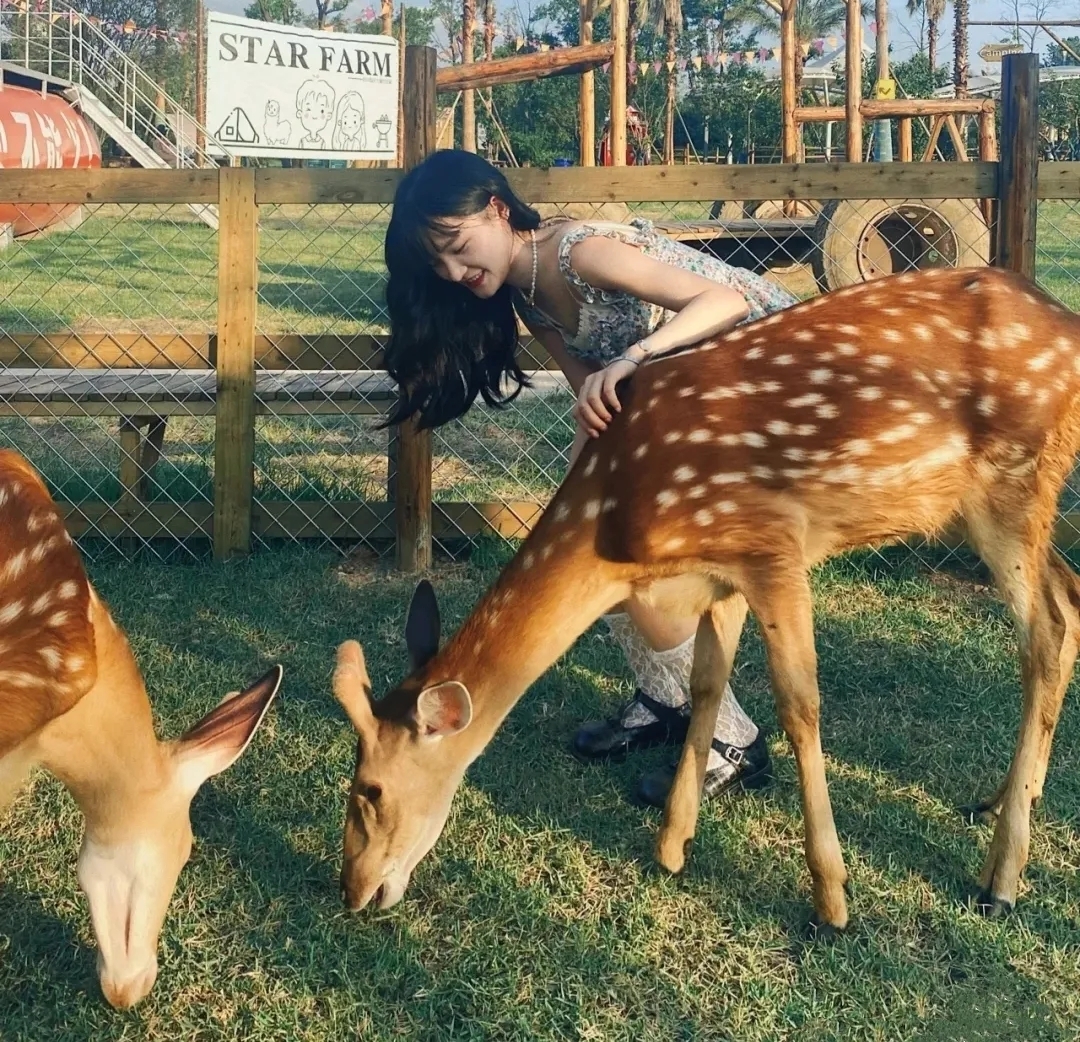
(72, 700)
(894, 407)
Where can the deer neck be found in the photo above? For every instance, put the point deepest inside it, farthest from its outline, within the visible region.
(533, 614)
(104, 749)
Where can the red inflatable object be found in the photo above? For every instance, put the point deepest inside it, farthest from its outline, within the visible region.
(41, 133)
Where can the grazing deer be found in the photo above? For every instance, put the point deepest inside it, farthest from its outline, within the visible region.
(898, 406)
(72, 700)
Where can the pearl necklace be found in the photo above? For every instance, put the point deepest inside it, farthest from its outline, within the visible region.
(532, 286)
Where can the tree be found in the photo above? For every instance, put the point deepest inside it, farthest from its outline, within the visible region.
(934, 10)
(1068, 55)
(960, 47)
(287, 12)
(666, 16)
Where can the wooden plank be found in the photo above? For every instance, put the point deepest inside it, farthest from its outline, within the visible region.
(1018, 193)
(106, 350)
(587, 90)
(789, 131)
(1059, 181)
(907, 153)
(108, 186)
(412, 484)
(520, 68)
(706, 182)
(853, 120)
(326, 186)
(620, 31)
(234, 434)
(958, 143)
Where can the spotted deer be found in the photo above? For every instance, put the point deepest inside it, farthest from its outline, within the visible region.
(895, 407)
(72, 700)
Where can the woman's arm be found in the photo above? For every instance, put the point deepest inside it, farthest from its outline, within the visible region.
(702, 307)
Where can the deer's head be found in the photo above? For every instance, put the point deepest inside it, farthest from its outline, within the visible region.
(404, 780)
(132, 853)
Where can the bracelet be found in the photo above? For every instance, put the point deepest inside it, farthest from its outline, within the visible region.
(624, 358)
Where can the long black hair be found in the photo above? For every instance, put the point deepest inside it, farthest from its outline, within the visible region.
(447, 345)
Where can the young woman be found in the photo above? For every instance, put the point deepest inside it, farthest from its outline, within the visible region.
(466, 258)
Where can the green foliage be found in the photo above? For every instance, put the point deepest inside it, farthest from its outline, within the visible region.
(288, 12)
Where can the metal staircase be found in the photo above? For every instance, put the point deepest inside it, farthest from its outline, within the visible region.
(51, 46)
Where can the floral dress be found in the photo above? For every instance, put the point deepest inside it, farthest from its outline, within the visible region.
(611, 322)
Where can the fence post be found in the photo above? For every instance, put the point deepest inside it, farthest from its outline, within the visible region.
(412, 485)
(1019, 164)
(234, 433)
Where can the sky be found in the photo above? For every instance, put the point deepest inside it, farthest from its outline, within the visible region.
(903, 31)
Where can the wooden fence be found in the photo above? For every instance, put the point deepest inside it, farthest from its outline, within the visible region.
(235, 353)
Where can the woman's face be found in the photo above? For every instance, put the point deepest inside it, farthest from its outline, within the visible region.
(475, 251)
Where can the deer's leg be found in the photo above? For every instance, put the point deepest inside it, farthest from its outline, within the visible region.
(1041, 592)
(781, 602)
(15, 766)
(717, 638)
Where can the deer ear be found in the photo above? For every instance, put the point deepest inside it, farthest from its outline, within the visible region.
(443, 710)
(352, 686)
(219, 738)
(422, 625)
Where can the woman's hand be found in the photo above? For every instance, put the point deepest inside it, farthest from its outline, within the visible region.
(597, 398)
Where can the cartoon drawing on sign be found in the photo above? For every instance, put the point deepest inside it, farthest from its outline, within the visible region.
(314, 109)
(236, 128)
(349, 134)
(382, 125)
(275, 129)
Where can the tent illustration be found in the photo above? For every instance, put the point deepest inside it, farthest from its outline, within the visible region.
(237, 129)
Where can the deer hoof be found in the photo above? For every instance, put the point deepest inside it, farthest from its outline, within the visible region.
(819, 932)
(979, 813)
(671, 857)
(991, 907)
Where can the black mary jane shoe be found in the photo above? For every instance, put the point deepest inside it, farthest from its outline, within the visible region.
(746, 767)
(612, 740)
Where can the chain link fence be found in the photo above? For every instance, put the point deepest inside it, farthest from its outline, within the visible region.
(108, 339)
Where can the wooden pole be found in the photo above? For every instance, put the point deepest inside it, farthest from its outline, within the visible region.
(412, 488)
(587, 91)
(1019, 169)
(401, 88)
(620, 17)
(234, 430)
(788, 101)
(853, 115)
(522, 67)
(907, 152)
(200, 80)
(387, 17)
(883, 127)
(468, 96)
(489, 30)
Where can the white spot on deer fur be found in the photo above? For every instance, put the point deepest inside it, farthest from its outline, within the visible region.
(1042, 396)
(868, 394)
(718, 394)
(666, 499)
(75, 663)
(795, 454)
(921, 418)
(986, 405)
(527, 560)
(825, 356)
(828, 411)
(879, 361)
(698, 436)
(51, 656)
(608, 505)
(847, 349)
(820, 376)
(562, 512)
(640, 451)
(806, 400)
(857, 447)
(652, 402)
(697, 492)
(753, 354)
(961, 334)
(1022, 388)
(892, 335)
(672, 437)
(806, 430)
(19, 679)
(848, 378)
(804, 335)
(39, 551)
(592, 509)
(736, 334)
(1063, 344)
(848, 473)
(546, 551)
(990, 375)
(703, 518)
(685, 392)
(10, 612)
(892, 311)
(794, 473)
(728, 439)
(3, 495)
(15, 565)
(635, 415)
(900, 404)
(746, 387)
(1040, 362)
(38, 519)
(67, 589)
(613, 465)
(41, 603)
(685, 473)
(783, 360)
(895, 434)
(848, 330)
(591, 465)
(728, 478)
(769, 386)
(726, 506)
(921, 331)
(988, 340)
(754, 440)
(778, 427)
(762, 473)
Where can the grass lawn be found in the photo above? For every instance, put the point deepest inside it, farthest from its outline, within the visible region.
(538, 915)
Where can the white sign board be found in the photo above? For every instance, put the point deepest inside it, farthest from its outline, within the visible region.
(284, 91)
(994, 52)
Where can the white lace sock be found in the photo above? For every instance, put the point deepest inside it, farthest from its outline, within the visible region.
(665, 676)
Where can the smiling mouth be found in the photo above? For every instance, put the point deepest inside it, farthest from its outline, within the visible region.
(474, 281)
